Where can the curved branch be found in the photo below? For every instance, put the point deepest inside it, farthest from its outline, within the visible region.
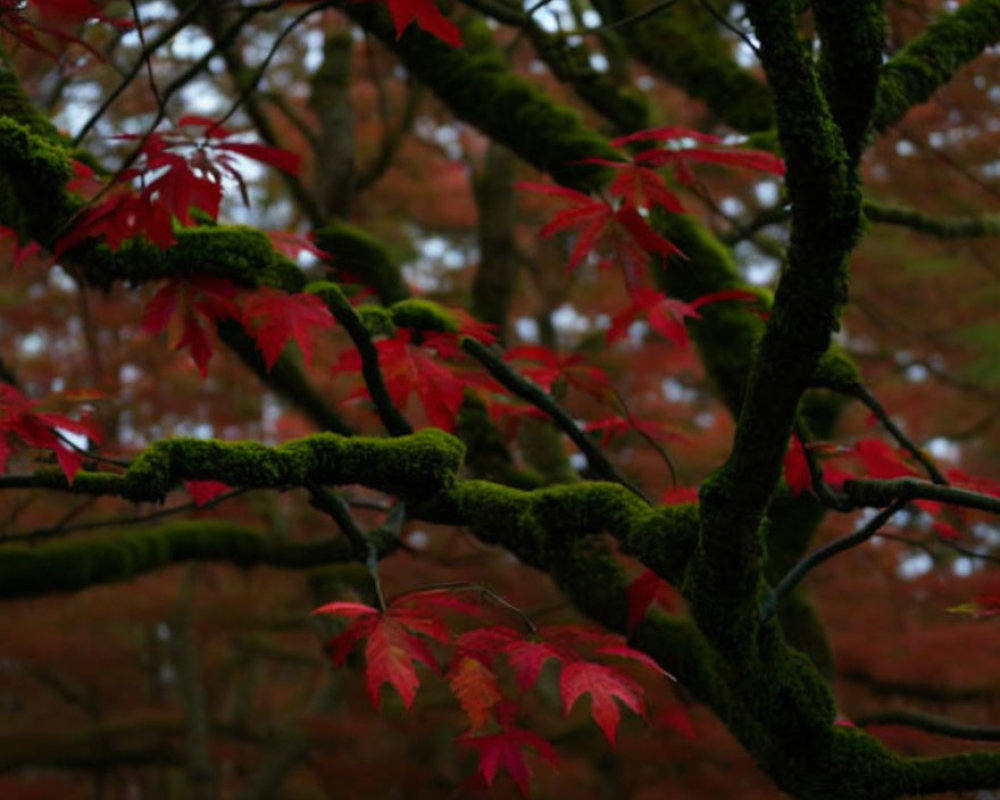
(931, 723)
(534, 394)
(928, 62)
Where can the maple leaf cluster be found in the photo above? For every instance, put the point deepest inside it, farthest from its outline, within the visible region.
(405, 635)
(270, 316)
(19, 419)
(618, 226)
(177, 172)
(60, 20)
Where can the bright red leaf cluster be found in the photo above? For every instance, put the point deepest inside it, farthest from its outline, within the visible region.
(18, 418)
(412, 630)
(177, 171)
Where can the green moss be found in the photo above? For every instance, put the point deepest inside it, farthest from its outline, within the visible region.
(930, 60)
(665, 540)
(475, 83)
(377, 320)
(418, 465)
(14, 103)
(74, 565)
(836, 370)
(422, 315)
(361, 256)
(685, 46)
(34, 170)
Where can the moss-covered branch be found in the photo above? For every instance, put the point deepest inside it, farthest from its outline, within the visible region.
(530, 391)
(928, 62)
(877, 494)
(941, 228)
(78, 564)
(422, 464)
(684, 45)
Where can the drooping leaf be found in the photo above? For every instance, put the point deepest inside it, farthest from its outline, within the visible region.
(505, 751)
(204, 492)
(475, 685)
(411, 369)
(272, 317)
(640, 595)
(606, 687)
(796, 468)
(426, 15)
(201, 300)
(19, 418)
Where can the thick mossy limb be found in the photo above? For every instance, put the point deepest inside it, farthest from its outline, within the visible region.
(928, 62)
(77, 564)
(360, 255)
(853, 35)
(478, 87)
(684, 44)
(33, 171)
(826, 215)
(535, 525)
(240, 254)
(419, 465)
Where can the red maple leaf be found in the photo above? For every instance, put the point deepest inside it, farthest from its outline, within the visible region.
(880, 460)
(427, 17)
(506, 750)
(18, 253)
(176, 171)
(796, 468)
(59, 19)
(393, 644)
(613, 426)
(272, 317)
(292, 245)
(200, 297)
(204, 492)
(666, 315)
(605, 685)
(706, 148)
(576, 649)
(621, 232)
(410, 369)
(40, 429)
(559, 369)
(643, 592)
(639, 186)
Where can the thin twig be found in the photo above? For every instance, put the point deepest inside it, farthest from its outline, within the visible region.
(534, 394)
(795, 575)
